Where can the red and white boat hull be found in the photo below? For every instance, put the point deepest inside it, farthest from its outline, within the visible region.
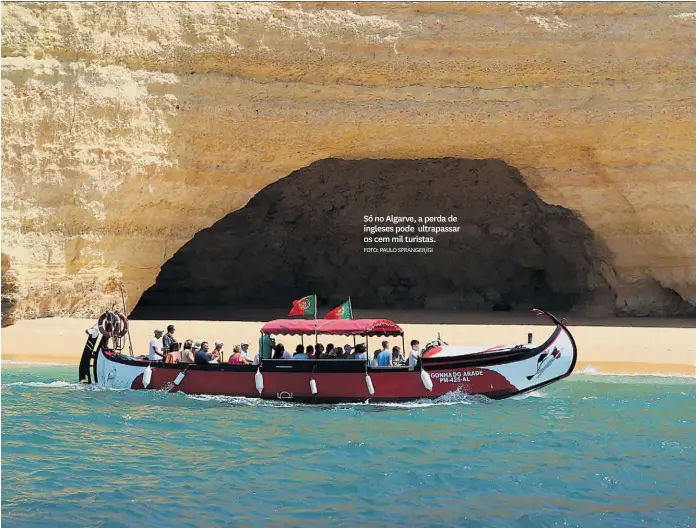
(497, 373)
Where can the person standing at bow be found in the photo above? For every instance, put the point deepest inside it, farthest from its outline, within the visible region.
(168, 340)
(155, 352)
(170, 346)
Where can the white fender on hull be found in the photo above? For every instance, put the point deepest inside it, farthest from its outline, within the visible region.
(179, 378)
(258, 379)
(147, 376)
(313, 386)
(370, 386)
(425, 378)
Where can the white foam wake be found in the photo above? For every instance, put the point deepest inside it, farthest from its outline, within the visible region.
(451, 398)
(590, 370)
(534, 394)
(240, 400)
(58, 384)
(51, 384)
(33, 363)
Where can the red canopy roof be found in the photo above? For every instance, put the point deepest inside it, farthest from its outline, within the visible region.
(372, 327)
(291, 326)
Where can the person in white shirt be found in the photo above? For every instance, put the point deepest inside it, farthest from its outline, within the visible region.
(360, 352)
(155, 353)
(415, 353)
(245, 349)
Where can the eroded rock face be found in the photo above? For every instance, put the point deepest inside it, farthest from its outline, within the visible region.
(127, 128)
(9, 291)
(305, 233)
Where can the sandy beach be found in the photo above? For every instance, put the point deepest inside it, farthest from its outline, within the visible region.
(635, 347)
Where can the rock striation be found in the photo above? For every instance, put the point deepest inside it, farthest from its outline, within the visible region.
(128, 128)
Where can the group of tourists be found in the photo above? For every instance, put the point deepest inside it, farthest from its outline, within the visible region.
(383, 357)
(395, 358)
(165, 347)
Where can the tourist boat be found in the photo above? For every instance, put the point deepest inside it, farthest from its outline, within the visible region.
(495, 372)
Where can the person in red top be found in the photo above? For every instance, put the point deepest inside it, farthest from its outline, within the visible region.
(237, 358)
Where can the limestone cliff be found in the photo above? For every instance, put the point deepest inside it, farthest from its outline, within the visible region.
(127, 128)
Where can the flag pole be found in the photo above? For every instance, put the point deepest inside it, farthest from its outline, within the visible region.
(316, 338)
(350, 305)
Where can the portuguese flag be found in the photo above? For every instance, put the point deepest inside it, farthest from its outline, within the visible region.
(345, 311)
(305, 306)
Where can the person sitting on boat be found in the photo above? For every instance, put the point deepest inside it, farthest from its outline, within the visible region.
(319, 354)
(330, 352)
(415, 353)
(245, 349)
(374, 362)
(173, 355)
(300, 353)
(156, 353)
(397, 358)
(186, 354)
(281, 353)
(384, 358)
(347, 352)
(202, 357)
(310, 352)
(237, 358)
(360, 352)
(214, 353)
(217, 351)
(168, 338)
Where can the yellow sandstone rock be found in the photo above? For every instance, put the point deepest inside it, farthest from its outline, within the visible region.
(127, 128)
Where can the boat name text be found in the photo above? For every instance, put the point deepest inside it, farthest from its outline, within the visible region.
(455, 376)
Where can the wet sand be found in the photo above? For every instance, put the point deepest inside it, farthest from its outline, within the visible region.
(627, 349)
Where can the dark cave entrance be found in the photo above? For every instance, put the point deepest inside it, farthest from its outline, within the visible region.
(304, 234)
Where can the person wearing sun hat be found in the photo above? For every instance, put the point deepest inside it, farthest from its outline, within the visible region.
(155, 353)
(195, 348)
(245, 349)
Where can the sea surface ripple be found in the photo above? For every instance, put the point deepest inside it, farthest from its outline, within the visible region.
(588, 451)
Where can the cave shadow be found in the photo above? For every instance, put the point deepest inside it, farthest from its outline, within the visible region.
(305, 234)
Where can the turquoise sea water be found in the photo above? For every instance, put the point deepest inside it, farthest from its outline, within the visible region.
(588, 451)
